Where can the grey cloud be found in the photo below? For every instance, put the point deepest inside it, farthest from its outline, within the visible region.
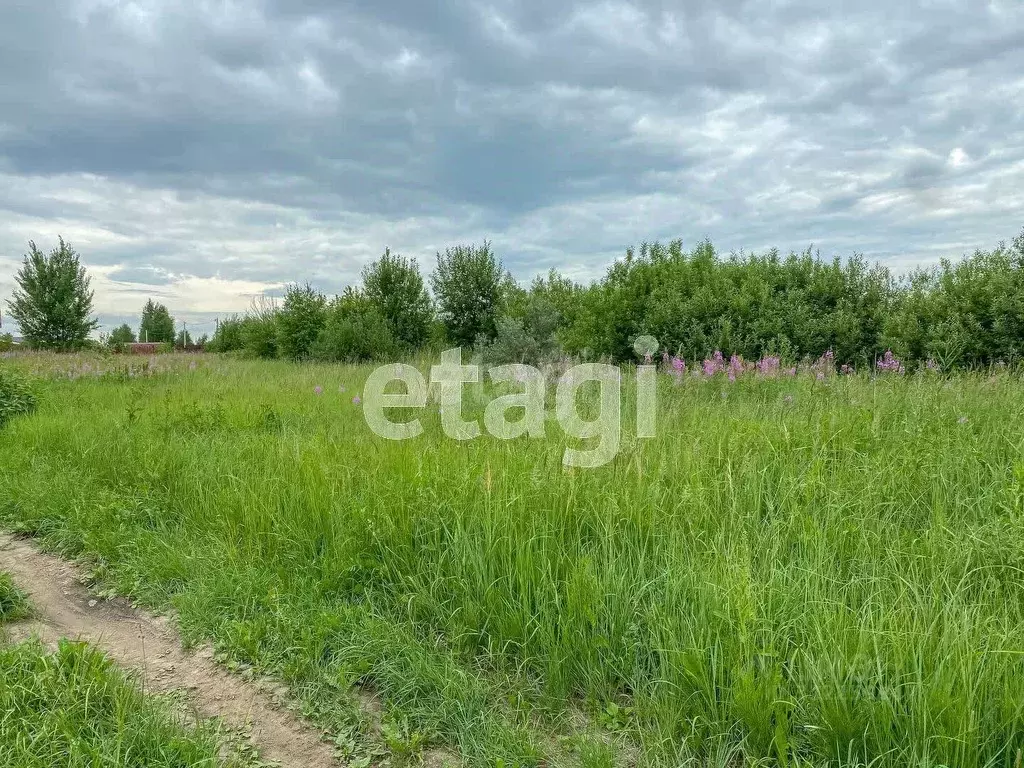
(148, 276)
(274, 141)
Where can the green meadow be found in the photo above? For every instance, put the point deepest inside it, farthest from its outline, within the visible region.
(792, 572)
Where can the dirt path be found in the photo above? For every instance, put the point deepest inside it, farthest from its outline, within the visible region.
(150, 646)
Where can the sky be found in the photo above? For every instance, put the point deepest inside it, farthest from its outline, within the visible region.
(204, 152)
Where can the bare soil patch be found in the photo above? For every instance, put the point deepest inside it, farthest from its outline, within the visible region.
(150, 646)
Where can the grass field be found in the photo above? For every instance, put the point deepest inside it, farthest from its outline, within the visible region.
(793, 572)
(71, 707)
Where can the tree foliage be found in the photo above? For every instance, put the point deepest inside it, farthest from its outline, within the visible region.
(300, 321)
(123, 334)
(157, 325)
(968, 312)
(467, 285)
(355, 331)
(183, 340)
(394, 287)
(53, 302)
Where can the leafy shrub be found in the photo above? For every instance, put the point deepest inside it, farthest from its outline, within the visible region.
(228, 337)
(964, 313)
(394, 287)
(300, 321)
(354, 332)
(15, 395)
(527, 339)
(967, 313)
(467, 284)
(258, 330)
(6, 342)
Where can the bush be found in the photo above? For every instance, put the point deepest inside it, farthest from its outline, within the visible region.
(258, 329)
(355, 332)
(394, 287)
(16, 396)
(228, 337)
(468, 285)
(528, 339)
(6, 342)
(300, 321)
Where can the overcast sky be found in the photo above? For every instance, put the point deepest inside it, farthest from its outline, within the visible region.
(205, 152)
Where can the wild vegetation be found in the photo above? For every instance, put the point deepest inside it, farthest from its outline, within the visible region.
(71, 707)
(965, 313)
(801, 568)
(816, 561)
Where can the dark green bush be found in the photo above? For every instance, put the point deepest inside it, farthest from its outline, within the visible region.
(228, 337)
(16, 395)
(355, 331)
(529, 338)
(300, 321)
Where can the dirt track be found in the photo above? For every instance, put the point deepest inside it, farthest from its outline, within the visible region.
(150, 646)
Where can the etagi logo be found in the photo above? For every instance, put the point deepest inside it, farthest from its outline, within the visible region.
(448, 379)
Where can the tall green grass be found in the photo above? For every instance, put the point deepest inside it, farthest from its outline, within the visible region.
(73, 708)
(792, 572)
(13, 603)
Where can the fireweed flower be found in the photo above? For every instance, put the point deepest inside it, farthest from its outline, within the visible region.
(889, 363)
(715, 364)
(768, 365)
(318, 390)
(736, 367)
(356, 400)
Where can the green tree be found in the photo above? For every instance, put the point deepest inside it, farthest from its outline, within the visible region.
(53, 303)
(300, 321)
(228, 337)
(394, 287)
(121, 335)
(355, 331)
(467, 285)
(258, 330)
(183, 339)
(157, 325)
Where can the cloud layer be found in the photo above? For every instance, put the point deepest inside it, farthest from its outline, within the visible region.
(204, 152)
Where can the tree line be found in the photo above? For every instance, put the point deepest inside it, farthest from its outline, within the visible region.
(963, 313)
(958, 313)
